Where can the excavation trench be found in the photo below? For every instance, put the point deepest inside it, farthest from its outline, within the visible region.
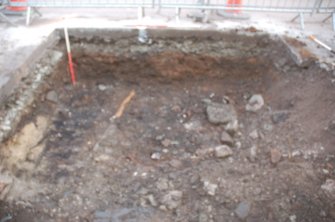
(194, 143)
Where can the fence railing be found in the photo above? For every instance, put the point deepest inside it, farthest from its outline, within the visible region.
(299, 7)
(85, 3)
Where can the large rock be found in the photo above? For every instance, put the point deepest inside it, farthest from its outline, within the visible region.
(221, 113)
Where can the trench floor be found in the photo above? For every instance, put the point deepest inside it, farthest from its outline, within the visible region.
(157, 161)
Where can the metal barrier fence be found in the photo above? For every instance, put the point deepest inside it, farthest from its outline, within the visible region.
(299, 7)
(87, 3)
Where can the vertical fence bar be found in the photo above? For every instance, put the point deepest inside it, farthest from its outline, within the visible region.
(28, 16)
(140, 12)
(178, 11)
(302, 22)
(300, 7)
(158, 10)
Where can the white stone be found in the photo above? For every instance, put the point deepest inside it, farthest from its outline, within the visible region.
(253, 134)
(255, 103)
(210, 188)
(156, 156)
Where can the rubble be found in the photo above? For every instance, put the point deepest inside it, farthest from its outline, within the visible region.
(329, 188)
(172, 199)
(175, 163)
(222, 151)
(5, 182)
(232, 127)
(242, 210)
(275, 156)
(52, 96)
(253, 153)
(162, 184)
(255, 103)
(253, 134)
(102, 87)
(166, 142)
(218, 113)
(209, 187)
(152, 200)
(226, 139)
(156, 156)
(279, 116)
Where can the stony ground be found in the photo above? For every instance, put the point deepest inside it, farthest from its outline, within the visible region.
(229, 130)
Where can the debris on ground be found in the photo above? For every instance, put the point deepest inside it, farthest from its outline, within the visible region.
(226, 139)
(172, 199)
(156, 156)
(329, 188)
(102, 87)
(279, 116)
(232, 127)
(221, 113)
(253, 153)
(222, 151)
(52, 96)
(253, 134)
(210, 188)
(255, 103)
(242, 210)
(275, 156)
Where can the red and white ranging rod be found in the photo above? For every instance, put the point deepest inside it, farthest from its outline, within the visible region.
(322, 44)
(69, 56)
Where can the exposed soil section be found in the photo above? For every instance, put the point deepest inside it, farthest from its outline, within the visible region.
(217, 131)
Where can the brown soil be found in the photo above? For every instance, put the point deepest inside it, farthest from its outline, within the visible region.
(88, 167)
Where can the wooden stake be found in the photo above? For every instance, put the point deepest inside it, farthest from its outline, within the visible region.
(123, 105)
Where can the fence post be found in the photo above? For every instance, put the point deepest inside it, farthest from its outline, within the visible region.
(28, 16)
(207, 12)
(178, 10)
(158, 10)
(140, 12)
(302, 21)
